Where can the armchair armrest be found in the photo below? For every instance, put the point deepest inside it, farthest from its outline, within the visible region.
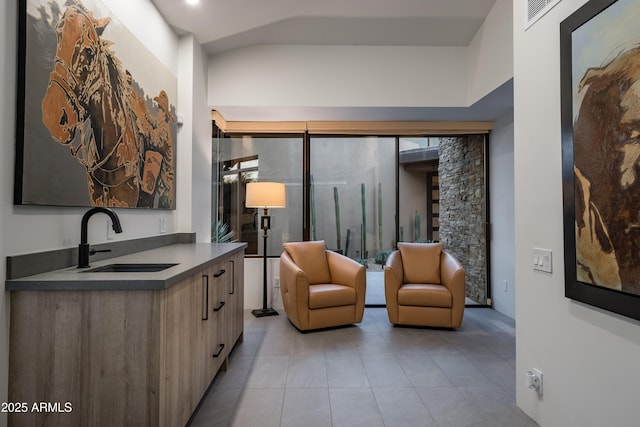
(452, 276)
(393, 272)
(393, 279)
(345, 271)
(294, 288)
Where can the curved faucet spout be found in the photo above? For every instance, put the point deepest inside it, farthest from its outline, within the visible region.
(83, 247)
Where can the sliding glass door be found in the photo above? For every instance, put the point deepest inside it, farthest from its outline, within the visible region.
(353, 201)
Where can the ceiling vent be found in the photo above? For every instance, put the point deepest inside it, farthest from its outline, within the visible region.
(536, 9)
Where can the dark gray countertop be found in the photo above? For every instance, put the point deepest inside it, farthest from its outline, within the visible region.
(190, 258)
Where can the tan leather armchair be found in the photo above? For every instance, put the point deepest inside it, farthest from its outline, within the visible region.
(424, 286)
(320, 288)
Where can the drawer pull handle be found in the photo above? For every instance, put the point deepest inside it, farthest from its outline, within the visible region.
(218, 308)
(219, 351)
(233, 277)
(205, 290)
(219, 273)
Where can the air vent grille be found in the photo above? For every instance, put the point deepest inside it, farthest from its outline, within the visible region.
(537, 8)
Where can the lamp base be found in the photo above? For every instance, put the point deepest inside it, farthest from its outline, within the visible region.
(263, 312)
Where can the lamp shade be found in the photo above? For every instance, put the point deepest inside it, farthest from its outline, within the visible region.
(265, 195)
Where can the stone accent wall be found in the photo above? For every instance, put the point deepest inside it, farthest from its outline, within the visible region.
(462, 208)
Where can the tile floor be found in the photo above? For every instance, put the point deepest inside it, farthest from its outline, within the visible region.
(372, 374)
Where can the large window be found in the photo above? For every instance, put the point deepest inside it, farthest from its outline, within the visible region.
(361, 194)
(243, 159)
(353, 195)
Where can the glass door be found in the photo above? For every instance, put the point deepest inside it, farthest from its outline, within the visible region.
(443, 198)
(353, 201)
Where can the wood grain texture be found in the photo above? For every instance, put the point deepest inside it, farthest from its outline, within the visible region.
(96, 350)
(135, 358)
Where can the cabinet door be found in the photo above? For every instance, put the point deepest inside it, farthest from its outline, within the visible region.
(219, 345)
(182, 324)
(235, 310)
(206, 327)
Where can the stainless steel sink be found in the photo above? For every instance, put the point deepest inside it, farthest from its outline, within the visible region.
(130, 268)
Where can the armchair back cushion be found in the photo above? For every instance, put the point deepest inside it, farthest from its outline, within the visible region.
(421, 262)
(311, 257)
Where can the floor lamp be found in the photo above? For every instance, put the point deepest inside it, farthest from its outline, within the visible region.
(265, 195)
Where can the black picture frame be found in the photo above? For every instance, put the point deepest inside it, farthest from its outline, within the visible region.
(621, 301)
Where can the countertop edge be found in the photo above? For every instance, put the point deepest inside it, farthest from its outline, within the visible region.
(125, 281)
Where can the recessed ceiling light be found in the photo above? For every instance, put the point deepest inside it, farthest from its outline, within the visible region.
(192, 2)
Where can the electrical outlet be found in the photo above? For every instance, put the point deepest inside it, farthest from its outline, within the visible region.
(276, 282)
(163, 225)
(534, 380)
(506, 286)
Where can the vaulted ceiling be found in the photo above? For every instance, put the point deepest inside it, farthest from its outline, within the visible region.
(222, 25)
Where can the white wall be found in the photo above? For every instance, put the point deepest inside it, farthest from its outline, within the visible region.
(194, 141)
(502, 216)
(339, 76)
(366, 76)
(589, 357)
(253, 283)
(25, 229)
(490, 54)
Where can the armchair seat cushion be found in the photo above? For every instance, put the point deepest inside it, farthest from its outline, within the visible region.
(330, 295)
(425, 295)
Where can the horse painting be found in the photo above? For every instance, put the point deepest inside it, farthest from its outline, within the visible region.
(92, 106)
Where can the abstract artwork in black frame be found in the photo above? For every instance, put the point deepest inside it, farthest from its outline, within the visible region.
(600, 109)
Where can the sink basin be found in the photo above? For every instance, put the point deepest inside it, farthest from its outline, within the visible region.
(130, 268)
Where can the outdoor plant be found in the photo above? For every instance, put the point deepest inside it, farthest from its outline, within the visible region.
(337, 206)
(221, 233)
(313, 210)
(382, 255)
(347, 242)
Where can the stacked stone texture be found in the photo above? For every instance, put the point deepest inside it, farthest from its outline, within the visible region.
(462, 208)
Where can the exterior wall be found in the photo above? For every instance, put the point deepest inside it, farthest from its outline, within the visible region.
(462, 208)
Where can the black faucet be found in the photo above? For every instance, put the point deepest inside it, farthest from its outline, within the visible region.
(83, 248)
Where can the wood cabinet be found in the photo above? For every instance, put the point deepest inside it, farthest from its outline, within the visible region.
(139, 357)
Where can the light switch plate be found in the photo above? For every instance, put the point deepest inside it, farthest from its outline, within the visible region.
(542, 260)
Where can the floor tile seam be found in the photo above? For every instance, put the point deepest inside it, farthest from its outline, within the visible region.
(246, 377)
(452, 379)
(412, 387)
(360, 388)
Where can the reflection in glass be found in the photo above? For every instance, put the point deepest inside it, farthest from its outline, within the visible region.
(244, 159)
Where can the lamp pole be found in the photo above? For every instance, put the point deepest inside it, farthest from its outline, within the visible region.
(264, 311)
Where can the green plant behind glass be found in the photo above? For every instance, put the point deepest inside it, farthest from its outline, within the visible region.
(220, 233)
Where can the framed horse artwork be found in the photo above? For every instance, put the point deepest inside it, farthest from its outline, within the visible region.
(600, 101)
(96, 125)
